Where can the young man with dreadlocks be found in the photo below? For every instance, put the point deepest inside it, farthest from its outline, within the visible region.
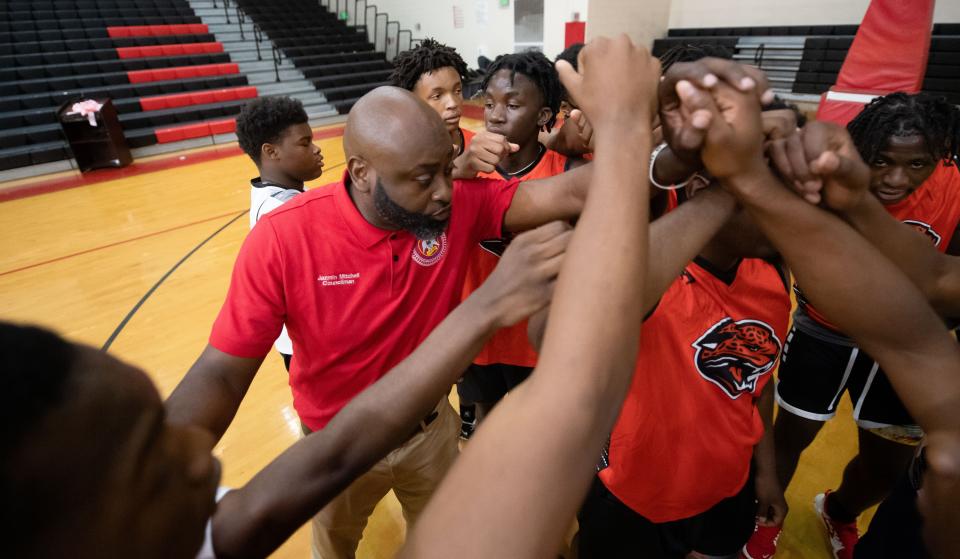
(434, 72)
(910, 143)
(522, 94)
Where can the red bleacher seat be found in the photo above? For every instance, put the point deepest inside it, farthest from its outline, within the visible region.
(178, 49)
(183, 72)
(197, 98)
(198, 130)
(157, 30)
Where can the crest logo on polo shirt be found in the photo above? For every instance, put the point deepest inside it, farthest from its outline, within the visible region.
(926, 230)
(428, 252)
(734, 354)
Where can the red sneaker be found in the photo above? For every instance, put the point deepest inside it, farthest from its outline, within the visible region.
(763, 542)
(843, 535)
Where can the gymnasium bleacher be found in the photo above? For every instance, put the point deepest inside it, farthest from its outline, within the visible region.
(167, 75)
(805, 60)
(337, 58)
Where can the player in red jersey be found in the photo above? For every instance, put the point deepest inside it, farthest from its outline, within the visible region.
(521, 98)
(849, 280)
(701, 392)
(910, 143)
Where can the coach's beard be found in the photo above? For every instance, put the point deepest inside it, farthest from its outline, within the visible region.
(420, 225)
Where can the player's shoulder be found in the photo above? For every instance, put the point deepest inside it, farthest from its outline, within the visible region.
(316, 200)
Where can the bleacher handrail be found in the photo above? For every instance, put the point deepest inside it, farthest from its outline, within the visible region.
(377, 14)
(275, 53)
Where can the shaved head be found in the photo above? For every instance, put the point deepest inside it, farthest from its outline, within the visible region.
(391, 123)
(400, 162)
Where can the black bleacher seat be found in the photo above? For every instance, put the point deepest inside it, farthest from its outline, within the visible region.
(26, 53)
(38, 25)
(180, 115)
(346, 68)
(87, 81)
(353, 78)
(36, 154)
(946, 29)
(105, 66)
(51, 100)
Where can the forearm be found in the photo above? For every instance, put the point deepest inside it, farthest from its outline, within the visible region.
(928, 268)
(669, 168)
(256, 519)
(677, 237)
(764, 456)
(865, 295)
(560, 197)
(211, 392)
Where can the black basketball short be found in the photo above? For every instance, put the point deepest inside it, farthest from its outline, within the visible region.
(609, 529)
(814, 374)
(489, 383)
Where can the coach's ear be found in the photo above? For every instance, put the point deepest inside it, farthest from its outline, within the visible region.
(362, 175)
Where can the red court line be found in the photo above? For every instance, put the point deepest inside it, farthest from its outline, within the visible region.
(101, 175)
(117, 243)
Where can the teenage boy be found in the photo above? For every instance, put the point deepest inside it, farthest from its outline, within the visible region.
(435, 72)
(521, 96)
(275, 133)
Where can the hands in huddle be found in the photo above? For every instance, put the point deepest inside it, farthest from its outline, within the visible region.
(706, 118)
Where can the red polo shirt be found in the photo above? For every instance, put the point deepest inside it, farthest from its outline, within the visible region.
(356, 299)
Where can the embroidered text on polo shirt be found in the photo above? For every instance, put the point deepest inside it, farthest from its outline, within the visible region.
(338, 279)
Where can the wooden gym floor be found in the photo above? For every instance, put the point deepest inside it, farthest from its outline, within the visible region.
(163, 243)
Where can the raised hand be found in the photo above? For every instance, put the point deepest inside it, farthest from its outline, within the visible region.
(684, 125)
(733, 138)
(584, 129)
(522, 283)
(484, 153)
(840, 177)
(616, 83)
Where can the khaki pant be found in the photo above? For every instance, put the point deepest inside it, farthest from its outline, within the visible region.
(413, 471)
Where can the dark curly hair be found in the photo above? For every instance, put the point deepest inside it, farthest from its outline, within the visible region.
(430, 55)
(263, 121)
(538, 68)
(903, 114)
(690, 52)
(570, 54)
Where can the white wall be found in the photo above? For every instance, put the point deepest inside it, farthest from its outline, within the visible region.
(747, 13)
(642, 20)
(556, 13)
(487, 27)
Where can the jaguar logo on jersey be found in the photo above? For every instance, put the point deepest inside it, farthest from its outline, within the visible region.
(733, 355)
(926, 230)
(428, 252)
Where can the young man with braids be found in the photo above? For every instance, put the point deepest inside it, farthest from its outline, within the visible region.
(434, 72)
(910, 143)
(522, 94)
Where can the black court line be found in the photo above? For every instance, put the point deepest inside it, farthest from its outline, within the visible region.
(163, 278)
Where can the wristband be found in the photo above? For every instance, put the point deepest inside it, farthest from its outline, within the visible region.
(653, 181)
